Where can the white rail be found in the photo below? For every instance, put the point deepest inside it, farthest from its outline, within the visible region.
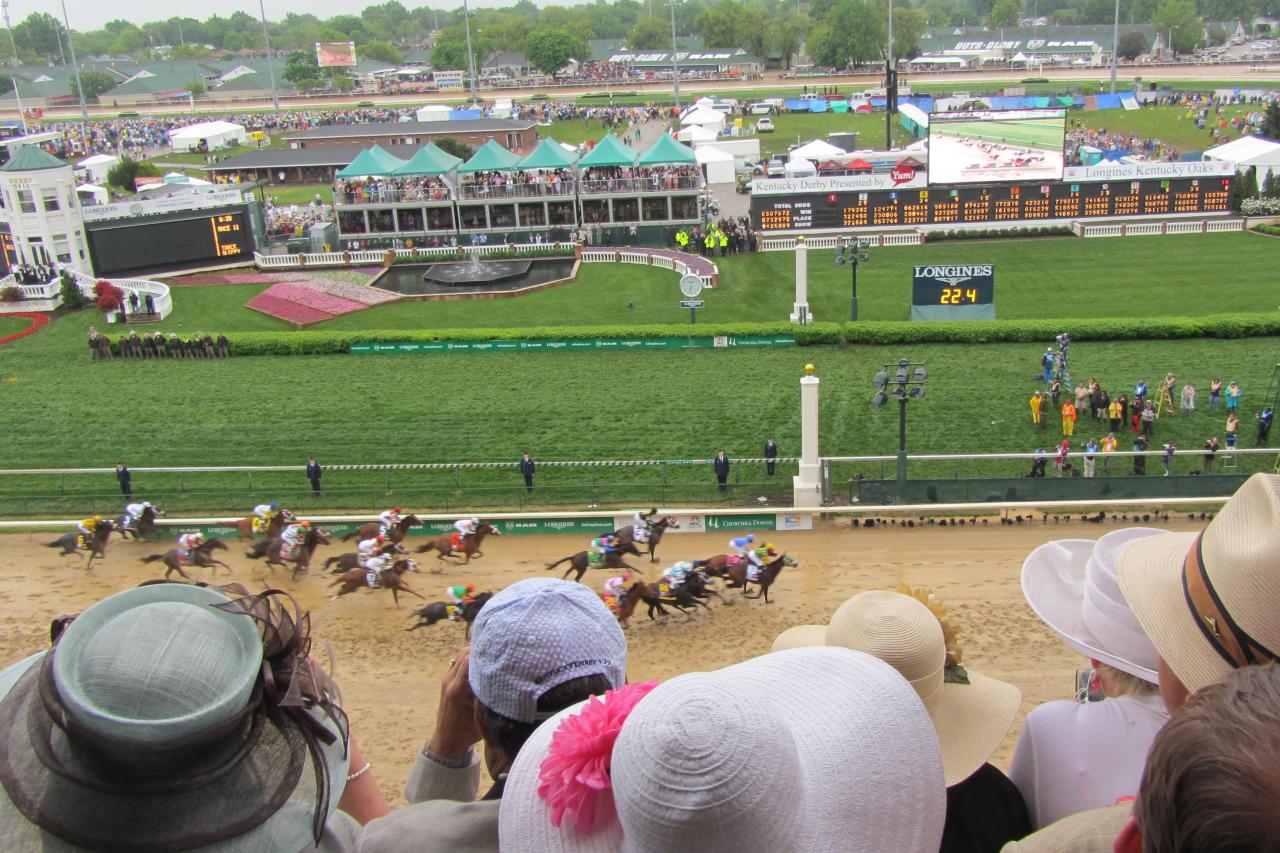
(378, 256)
(1145, 229)
(835, 241)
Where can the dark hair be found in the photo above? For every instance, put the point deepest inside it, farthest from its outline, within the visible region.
(1213, 776)
(510, 735)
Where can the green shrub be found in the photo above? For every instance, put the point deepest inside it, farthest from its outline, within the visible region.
(1017, 331)
(999, 233)
(1273, 230)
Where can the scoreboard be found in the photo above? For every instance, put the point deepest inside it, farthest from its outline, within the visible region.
(147, 244)
(990, 204)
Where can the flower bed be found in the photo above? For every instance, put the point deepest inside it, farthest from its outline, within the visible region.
(223, 278)
(287, 310)
(38, 322)
(303, 298)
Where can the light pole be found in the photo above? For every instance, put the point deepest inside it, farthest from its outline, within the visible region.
(4, 5)
(1173, 54)
(675, 61)
(890, 87)
(902, 381)
(266, 45)
(471, 57)
(1115, 47)
(855, 254)
(71, 45)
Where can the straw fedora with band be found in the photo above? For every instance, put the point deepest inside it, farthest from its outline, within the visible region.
(816, 750)
(1071, 585)
(171, 717)
(971, 718)
(1210, 601)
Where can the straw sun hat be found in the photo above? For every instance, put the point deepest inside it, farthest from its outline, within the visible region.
(804, 750)
(1210, 601)
(1071, 585)
(971, 718)
(170, 717)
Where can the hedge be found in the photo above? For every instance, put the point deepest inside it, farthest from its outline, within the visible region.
(999, 233)
(879, 332)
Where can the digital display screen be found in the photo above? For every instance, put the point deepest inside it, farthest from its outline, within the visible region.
(990, 204)
(139, 246)
(1008, 145)
(953, 284)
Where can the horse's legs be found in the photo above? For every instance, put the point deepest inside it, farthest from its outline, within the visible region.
(395, 594)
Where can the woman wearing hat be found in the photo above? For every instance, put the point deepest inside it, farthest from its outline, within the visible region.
(1074, 756)
(970, 712)
(175, 717)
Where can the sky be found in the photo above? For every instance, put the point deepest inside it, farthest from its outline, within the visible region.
(87, 15)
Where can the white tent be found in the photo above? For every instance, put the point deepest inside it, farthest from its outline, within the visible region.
(1019, 57)
(798, 167)
(816, 150)
(695, 133)
(175, 180)
(91, 194)
(705, 118)
(1247, 151)
(915, 114)
(97, 166)
(214, 134)
(433, 112)
(718, 165)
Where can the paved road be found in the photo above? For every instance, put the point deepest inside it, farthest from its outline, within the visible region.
(1267, 75)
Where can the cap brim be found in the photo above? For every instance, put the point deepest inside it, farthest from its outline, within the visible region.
(1150, 576)
(971, 721)
(801, 636)
(808, 692)
(1053, 578)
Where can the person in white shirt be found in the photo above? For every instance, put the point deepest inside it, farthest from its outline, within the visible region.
(1073, 756)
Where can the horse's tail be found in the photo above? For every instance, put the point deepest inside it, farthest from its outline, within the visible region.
(57, 544)
(426, 546)
(153, 558)
(551, 566)
(329, 562)
(349, 535)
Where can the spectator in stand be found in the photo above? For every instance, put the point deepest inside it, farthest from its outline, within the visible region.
(1083, 400)
(1265, 417)
(1060, 464)
(1037, 408)
(721, 465)
(1140, 462)
(527, 469)
(1233, 397)
(313, 475)
(1167, 458)
(1090, 457)
(1148, 419)
(125, 478)
(770, 456)
(1115, 412)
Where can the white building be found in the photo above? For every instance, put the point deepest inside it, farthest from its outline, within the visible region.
(40, 211)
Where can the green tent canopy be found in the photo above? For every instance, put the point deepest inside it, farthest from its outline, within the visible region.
(375, 162)
(491, 157)
(548, 155)
(430, 159)
(667, 151)
(609, 152)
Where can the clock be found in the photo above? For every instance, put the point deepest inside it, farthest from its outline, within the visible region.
(690, 285)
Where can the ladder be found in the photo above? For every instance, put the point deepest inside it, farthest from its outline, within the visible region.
(1164, 401)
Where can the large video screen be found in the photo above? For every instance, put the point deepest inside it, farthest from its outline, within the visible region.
(139, 245)
(984, 147)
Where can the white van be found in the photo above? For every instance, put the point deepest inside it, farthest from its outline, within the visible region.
(760, 109)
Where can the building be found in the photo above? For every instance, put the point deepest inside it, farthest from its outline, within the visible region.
(513, 135)
(40, 221)
(1020, 47)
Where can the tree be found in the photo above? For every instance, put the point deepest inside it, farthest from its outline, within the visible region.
(851, 33)
(1271, 121)
(549, 48)
(1216, 34)
(94, 83)
(718, 25)
(1132, 44)
(450, 50)
(786, 34)
(649, 34)
(126, 173)
(195, 87)
(452, 145)
(39, 33)
(300, 65)
(908, 27)
(1006, 14)
(381, 51)
(1181, 17)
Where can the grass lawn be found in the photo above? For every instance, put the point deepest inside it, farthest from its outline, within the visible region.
(1172, 125)
(285, 194)
(10, 325)
(575, 131)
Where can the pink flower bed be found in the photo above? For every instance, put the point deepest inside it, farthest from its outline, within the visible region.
(356, 292)
(287, 309)
(223, 278)
(314, 298)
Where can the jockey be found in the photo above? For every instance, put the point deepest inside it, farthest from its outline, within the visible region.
(134, 511)
(758, 558)
(640, 524)
(676, 575)
(742, 544)
(367, 548)
(459, 596)
(466, 526)
(262, 514)
(617, 586)
(86, 526)
(295, 533)
(188, 542)
(602, 547)
(390, 518)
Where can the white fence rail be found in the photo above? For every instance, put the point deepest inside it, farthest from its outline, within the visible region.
(47, 297)
(835, 241)
(377, 256)
(1145, 229)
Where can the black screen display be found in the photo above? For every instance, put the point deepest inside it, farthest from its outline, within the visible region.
(215, 238)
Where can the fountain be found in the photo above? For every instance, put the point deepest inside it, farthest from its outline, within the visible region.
(475, 272)
(474, 277)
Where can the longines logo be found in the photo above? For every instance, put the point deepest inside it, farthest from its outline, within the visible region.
(953, 275)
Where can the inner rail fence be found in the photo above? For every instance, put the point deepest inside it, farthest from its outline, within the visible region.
(458, 486)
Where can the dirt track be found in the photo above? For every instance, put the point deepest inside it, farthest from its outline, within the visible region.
(391, 678)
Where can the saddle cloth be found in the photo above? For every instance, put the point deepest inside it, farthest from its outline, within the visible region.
(611, 601)
(383, 530)
(455, 541)
(287, 550)
(184, 557)
(372, 579)
(259, 525)
(595, 559)
(640, 534)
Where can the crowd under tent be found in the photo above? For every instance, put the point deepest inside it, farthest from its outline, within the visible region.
(490, 157)
(609, 152)
(428, 160)
(548, 155)
(213, 134)
(666, 151)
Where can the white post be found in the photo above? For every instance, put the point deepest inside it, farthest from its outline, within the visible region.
(807, 485)
(800, 312)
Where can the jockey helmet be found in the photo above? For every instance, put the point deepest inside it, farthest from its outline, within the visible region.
(397, 509)
(475, 519)
(97, 518)
(626, 576)
(773, 552)
(751, 537)
(304, 524)
(653, 510)
(471, 587)
(273, 505)
(380, 539)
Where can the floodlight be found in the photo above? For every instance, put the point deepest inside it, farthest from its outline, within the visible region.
(899, 392)
(881, 379)
(917, 392)
(879, 399)
(864, 256)
(920, 374)
(901, 376)
(903, 362)
(840, 258)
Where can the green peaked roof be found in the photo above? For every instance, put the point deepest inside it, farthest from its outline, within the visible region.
(548, 155)
(430, 159)
(491, 157)
(374, 162)
(609, 152)
(29, 158)
(667, 150)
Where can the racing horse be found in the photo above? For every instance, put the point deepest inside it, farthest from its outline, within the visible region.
(351, 560)
(140, 528)
(395, 534)
(437, 610)
(624, 605)
(719, 565)
(95, 544)
(684, 597)
(443, 544)
(301, 556)
(581, 561)
(392, 579)
(200, 556)
(245, 525)
(656, 529)
(737, 576)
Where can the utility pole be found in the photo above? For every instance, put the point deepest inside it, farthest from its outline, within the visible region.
(471, 57)
(675, 62)
(4, 5)
(1115, 47)
(71, 43)
(890, 87)
(266, 44)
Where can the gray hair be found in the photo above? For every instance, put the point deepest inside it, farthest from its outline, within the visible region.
(1212, 779)
(1121, 683)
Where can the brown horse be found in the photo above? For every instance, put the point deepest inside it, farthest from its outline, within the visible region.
(199, 556)
(581, 561)
(245, 525)
(684, 597)
(95, 544)
(656, 529)
(624, 606)
(437, 610)
(392, 579)
(347, 562)
(768, 574)
(301, 556)
(719, 565)
(443, 544)
(373, 528)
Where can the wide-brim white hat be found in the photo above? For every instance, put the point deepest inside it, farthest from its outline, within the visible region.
(1072, 587)
(1201, 597)
(971, 719)
(813, 750)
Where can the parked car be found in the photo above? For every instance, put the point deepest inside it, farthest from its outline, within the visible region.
(764, 125)
(744, 183)
(760, 109)
(777, 166)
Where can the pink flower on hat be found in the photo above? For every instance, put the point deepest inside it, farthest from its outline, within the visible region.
(574, 777)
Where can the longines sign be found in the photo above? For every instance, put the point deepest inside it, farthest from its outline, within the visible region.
(898, 179)
(150, 207)
(1136, 171)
